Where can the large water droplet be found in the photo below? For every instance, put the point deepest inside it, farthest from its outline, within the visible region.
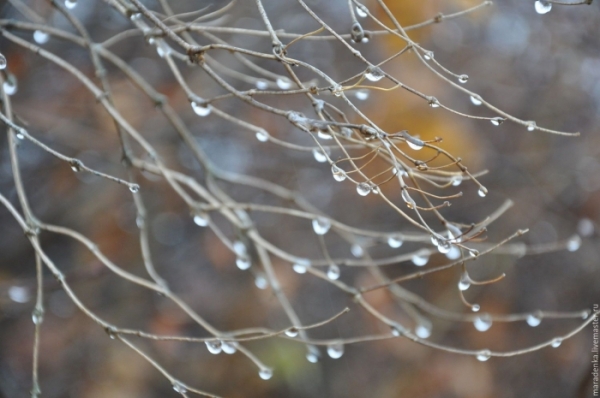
(319, 155)
(374, 74)
(265, 374)
(229, 347)
(283, 83)
(363, 189)
(444, 246)
(243, 263)
(361, 11)
(484, 355)
(456, 180)
(475, 307)
(434, 103)
(291, 332)
(464, 283)
(201, 219)
(357, 250)
(420, 258)
(482, 192)
(423, 330)
(201, 110)
(40, 37)
(338, 174)
(483, 322)
(321, 225)
(574, 243)
(534, 320)
(333, 272)
(454, 253)
(556, 342)
(179, 388)
(395, 241)
(70, 4)
(497, 121)
(262, 84)
(10, 85)
(301, 265)
(214, 347)
(335, 350)
(475, 100)
(37, 315)
(362, 94)
(542, 7)
(313, 354)
(463, 79)
(239, 248)
(262, 136)
(18, 294)
(3, 62)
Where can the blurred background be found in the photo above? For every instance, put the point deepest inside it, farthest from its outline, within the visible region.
(536, 67)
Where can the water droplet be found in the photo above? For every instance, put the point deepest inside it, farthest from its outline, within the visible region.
(239, 248)
(201, 110)
(395, 241)
(301, 265)
(556, 342)
(291, 332)
(456, 180)
(397, 331)
(434, 103)
(335, 350)
(482, 192)
(574, 243)
(243, 263)
(10, 85)
(201, 219)
(136, 16)
(420, 258)
(357, 250)
(319, 155)
(407, 198)
(476, 100)
(265, 374)
(464, 283)
(475, 307)
(346, 132)
(18, 294)
(361, 11)
(338, 174)
(262, 136)
(531, 126)
(337, 90)
(37, 316)
(483, 322)
(585, 227)
(261, 282)
(362, 94)
(134, 188)
(534, 320)
(40, 37)
(484, 355)
(313, 354)
(463, 79)
(374, 74)
(70, 4)
(444, 246)
(179, 388)
(497, 121)
(413, 142)
(324, 135)
(363, 189)
(542, 7)
(283, 83)
(453, 253)
(262, 84)
(214, 347)
(423, 330)
(3, 62)
(229, 347)
(428, 55)
(333, 272)
(321, 225)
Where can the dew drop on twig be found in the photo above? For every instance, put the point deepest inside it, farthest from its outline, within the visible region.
(484, 355)
(542, 7)
(335, 350)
